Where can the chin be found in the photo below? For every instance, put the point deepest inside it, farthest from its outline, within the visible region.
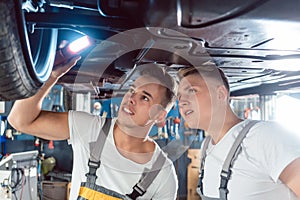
(195, 124)
(191, 124)
(129, 122)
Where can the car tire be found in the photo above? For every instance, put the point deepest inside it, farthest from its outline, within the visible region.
(26, 59)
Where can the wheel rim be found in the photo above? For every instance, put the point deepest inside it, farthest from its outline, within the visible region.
(38, 48)
(43, 53)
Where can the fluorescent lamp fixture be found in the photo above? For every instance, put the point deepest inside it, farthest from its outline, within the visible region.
(179, 13)
(79, 44)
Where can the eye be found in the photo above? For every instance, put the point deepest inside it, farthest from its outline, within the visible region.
(191, 91)
(178, 96)
(145, 98)
(131, 90)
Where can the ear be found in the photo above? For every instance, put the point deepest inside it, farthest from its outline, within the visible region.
(222, 93)
(160, 118)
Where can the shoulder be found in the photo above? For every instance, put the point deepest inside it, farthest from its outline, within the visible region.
(270, 131)
(266, 125)
(84, 126)
(81, 115)
(85, 118)
(271, 139)
(263, 134)
(274, 146)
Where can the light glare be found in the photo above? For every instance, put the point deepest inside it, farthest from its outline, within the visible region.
(79, 44)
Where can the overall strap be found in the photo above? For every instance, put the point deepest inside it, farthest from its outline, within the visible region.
(203, 156)
(231, 157)
(96, 150)
(147, 177)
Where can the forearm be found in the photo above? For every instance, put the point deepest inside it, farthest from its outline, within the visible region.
(25, 111)
(26, 115)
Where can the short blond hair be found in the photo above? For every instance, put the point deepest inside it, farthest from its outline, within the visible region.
(205, 71)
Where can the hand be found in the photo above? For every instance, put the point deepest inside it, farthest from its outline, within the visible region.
(63, 64)
(61, 69)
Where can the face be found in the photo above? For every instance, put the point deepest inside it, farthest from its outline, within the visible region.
(195, 102)
(140, 103)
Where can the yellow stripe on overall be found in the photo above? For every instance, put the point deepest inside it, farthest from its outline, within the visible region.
(88, 193)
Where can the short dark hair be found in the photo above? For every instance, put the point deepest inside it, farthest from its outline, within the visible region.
(205, 71)
(159, 72)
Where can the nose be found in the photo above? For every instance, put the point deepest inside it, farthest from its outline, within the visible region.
(182, 101)
(132, 100)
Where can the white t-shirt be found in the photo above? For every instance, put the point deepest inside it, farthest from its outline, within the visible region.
(266, 151)
(116, 172)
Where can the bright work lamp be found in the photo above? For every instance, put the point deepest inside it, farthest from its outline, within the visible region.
(72, 49)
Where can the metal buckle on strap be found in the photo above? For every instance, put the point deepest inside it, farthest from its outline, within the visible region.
(91, 175)
(139, 190)
(94, 164)
(225, 176)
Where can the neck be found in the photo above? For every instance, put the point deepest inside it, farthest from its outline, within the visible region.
(220, 128)
(138, 148)
(132, 139)
(132, 132)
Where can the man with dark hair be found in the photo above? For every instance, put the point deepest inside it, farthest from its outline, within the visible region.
(128, 155)
(241, 159)
(165, 80)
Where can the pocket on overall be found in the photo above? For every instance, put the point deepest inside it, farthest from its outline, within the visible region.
(89, 191)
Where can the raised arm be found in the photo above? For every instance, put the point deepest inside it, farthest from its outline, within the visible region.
(26, 115)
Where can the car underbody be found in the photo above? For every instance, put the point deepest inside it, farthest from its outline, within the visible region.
(254, 42)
